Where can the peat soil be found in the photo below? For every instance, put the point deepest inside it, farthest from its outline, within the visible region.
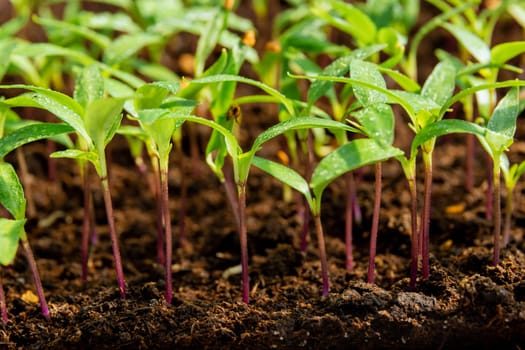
(466, 303)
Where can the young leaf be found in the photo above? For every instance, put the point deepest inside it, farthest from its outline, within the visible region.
(128, 45)
(347, 157)
(12, 194)
(10, 233)
(285, 175)
(89, 86)
(30, 133)
(377, 122)
(445, 127)
(77, 154)
(61, 105)
(102, 118)
(503, 119)
(440, 84)
(503, 52)
(369, 73)
(338, 68)
(470, 41)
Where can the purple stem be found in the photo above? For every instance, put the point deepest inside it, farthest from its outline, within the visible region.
(168, 238)
(375, 223)
(3, 303)
(36, 277)
(113, 235)
(425, 214)
(508, 216)
(497, 213)
(232, 195)
(160, 218)
(349, 218)
(86, 224)
(490, 190)
(305, 211)
(322, 253)
(415, 251)
(307, 175)
(243, 237)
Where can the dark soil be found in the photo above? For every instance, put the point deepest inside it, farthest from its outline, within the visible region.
(466, 303)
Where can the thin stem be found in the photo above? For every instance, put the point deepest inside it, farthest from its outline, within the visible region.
(36, 277)
(168, 235)
(113, 235)
(375, 223)
(3, 303)
(243, 238)
(161, 258)
(508, 216)
(425, 215)
(232, 196)
(322, 253)
(349, 219)
(309, 159)
(183, 196)
(305, 216)
(497, 211)
(415, 251)
(86, 224)
(489, 210)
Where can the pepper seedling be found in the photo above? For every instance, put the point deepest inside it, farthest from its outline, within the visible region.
(350, 156)
(12, 232)
(95, 119)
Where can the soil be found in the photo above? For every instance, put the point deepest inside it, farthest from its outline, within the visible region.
(466, 303)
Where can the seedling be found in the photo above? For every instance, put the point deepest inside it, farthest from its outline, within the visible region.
(95, 119)
(242, 160)
(159, 123)
(12, 233)
(511, 175)
(350, 156)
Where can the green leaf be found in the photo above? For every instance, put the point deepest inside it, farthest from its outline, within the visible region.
(30, 133)
(102, 119)
(470, 41)
(62, 106)
(348, 157)
(440, 84)
(503, 118)
(445, 127)
(10, 233)
(285, 175)
(128, 45)
(6, 47)
(89, 86)
(338, 68)
(404, 81)
(295, 124)
(77, 154)
(503, 52)
(149, 96)
(11, 192)
(209, 38)
(352, 20)
(227, 77)
(369, 73)
(98, 39)
(377, 121)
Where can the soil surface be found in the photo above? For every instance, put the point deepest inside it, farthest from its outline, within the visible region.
(466, 303)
